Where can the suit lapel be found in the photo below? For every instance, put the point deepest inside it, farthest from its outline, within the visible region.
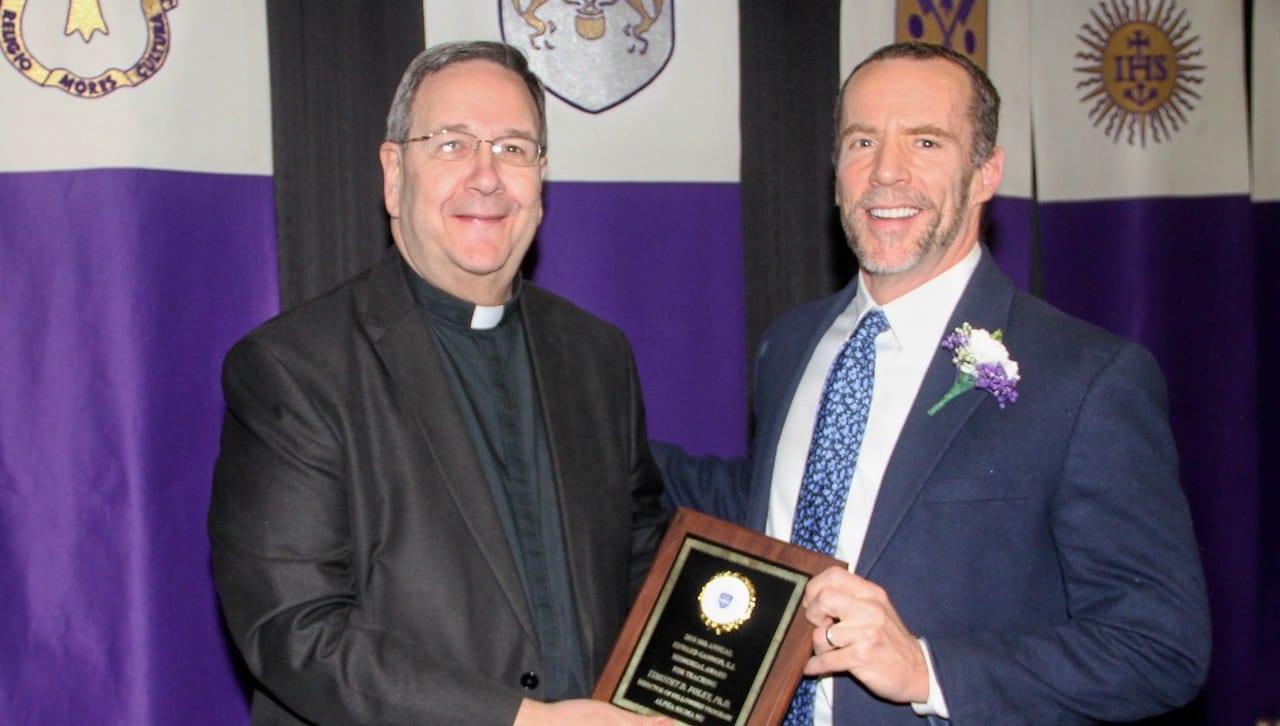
(793, 348)
(400, 335)
(924, 438)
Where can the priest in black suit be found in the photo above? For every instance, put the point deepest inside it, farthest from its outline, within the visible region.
(434, 500)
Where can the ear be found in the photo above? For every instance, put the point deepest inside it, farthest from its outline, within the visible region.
(392, 157)
(987, 178)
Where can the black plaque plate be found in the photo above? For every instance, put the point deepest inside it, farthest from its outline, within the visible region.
(715, 636)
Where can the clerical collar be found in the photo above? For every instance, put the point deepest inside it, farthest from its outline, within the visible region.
(455, 311)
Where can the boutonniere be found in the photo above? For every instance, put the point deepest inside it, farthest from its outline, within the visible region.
(982, 362)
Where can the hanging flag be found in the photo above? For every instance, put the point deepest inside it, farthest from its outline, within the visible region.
(1265, 105)
(136, 244)
(643, 223)
(1142, 172)
(994, 35)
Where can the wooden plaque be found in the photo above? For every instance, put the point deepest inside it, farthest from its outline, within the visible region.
(716, 635)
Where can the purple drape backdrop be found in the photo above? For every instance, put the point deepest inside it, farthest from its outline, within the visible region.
(1177, 275)
(1266, 224)
(1008, 234)
(662, 261)
(121, 290)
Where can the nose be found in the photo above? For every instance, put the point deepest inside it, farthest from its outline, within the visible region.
(889, 166)
(483, 176)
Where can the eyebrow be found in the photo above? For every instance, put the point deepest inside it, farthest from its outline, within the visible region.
(508, 132)
(930, 130)
(855, 128)
(923, 130)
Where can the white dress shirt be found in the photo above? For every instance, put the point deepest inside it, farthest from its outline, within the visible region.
(917, 326)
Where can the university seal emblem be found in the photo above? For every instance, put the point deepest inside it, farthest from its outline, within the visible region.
(960, 25)
(726, 602)
(593, 54)
(85, 17)
(1139, 70)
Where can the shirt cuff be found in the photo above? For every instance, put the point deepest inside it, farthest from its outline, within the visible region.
(936, 705)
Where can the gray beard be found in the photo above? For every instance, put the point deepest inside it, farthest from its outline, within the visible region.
(935, 238)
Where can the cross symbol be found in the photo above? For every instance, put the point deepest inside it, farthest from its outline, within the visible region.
(1139, 40)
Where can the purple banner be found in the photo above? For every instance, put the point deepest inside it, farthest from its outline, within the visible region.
(662, 261)
(1008, 234)
(120, 291)
(1266, 222)
(1177, 275)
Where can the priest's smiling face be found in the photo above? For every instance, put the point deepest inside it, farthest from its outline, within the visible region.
(465, 225)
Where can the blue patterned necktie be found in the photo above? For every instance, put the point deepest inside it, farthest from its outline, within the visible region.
(833, 454)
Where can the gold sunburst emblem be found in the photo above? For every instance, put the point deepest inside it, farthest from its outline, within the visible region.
(1140, 70)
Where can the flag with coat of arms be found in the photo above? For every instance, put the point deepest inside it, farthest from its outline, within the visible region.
(137, 242)
(1142, 174)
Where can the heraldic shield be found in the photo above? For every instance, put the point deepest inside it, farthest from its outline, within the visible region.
(593, 54)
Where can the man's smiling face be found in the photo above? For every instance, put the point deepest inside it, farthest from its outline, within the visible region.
(910, 197)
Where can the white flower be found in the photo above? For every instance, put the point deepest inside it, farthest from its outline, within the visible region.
(982, 362)
(984, 348)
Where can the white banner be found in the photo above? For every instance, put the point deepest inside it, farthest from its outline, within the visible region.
(682, 125)
(1136, 99)
(87, 90)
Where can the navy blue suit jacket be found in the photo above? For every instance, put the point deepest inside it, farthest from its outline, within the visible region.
(1044, 550)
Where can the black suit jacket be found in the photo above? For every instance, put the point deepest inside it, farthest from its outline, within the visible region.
(1044, 550)
(360, 561)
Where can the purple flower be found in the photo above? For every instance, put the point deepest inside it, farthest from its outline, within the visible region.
(981, 362)
(992, 377)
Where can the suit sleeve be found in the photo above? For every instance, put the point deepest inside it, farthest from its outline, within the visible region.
(1135, 638)
(721, 486)
(282, 548)
(709, 484)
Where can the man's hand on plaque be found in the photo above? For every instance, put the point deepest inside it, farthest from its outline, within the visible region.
(857, 630)
(581, 712)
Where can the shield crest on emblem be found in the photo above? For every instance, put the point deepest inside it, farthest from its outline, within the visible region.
(593, 54)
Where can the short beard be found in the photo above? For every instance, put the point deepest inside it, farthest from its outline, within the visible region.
(934, 238)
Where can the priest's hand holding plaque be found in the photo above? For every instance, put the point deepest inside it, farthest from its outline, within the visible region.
(716, 635)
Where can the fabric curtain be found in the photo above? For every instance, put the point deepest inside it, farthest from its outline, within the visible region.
(1146, 234)
(137, 242)
(1264, 102)
(149, 220)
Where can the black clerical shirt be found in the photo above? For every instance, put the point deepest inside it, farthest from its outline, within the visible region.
(487, 361)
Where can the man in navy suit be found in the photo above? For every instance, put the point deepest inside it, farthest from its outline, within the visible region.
(1022, 553)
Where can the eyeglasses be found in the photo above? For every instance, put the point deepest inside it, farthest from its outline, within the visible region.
(449, 145)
